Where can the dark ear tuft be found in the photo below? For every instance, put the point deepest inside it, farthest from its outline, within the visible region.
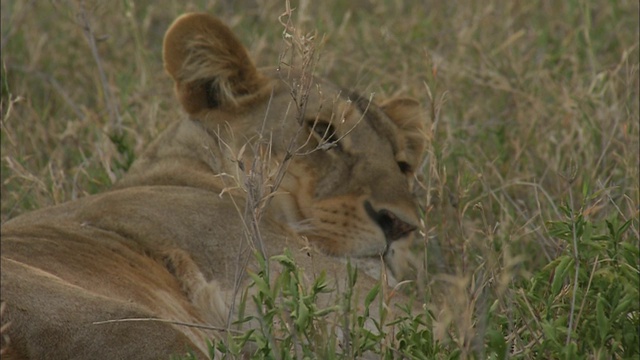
(213, 95)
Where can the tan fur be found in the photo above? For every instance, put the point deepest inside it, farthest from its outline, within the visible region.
(169, 241)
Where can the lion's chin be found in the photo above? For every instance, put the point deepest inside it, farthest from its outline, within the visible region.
(401, 262)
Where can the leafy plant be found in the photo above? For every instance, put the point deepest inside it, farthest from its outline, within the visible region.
(586, 301)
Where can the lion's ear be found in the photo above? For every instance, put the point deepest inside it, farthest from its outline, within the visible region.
(408, 115)
(210, 67)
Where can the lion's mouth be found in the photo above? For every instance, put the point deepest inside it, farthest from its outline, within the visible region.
(392, 227)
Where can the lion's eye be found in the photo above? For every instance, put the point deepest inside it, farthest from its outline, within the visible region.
(404, 167)
(326, 133)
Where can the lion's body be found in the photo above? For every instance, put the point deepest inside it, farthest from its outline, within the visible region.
(91, 267)
(170, 240)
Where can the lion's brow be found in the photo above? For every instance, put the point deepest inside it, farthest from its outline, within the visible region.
(374, 116)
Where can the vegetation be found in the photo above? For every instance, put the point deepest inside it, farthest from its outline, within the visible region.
(531, 193)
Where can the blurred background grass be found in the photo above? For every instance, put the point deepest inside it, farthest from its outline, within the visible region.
(533, 122)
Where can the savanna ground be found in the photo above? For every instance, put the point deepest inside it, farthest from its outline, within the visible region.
(531, 174)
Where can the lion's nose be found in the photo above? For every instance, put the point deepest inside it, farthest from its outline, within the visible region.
(391, 225)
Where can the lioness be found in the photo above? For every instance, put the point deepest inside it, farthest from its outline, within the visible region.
(176, 236)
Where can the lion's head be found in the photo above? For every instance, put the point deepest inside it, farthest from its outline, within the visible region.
(349, 162)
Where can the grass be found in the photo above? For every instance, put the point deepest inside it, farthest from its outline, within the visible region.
(532, 194)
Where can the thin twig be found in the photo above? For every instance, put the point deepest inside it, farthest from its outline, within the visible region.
(575, 277)
(112, 106)
(172, 322)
